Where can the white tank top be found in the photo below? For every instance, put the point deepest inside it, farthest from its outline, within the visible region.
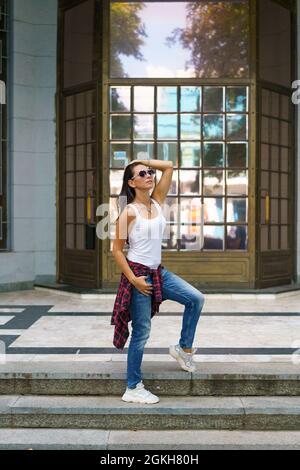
(145, 238)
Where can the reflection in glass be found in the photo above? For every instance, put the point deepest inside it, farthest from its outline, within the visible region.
(80, 206)
(236, 210)
(190, 154)
(143, 97)
(189, 182)
(116, 180)
(190, 126)
(236, 99)
(284, 185)
(143, 126)
(236, 238)
(284, 157)
(120, 127)
(119, 154)
(237, 183)
(213, 99)
(179, 39)
(80, 158)
(213, 210)
(274, 184)
(213, 127)
(284, 211)
(120, 98)
(167, 151)
(174, 184)
(213, 154)
(142, 150)
(213, 237)
(236, 127)
(274, 231)
(166, 99)
(70, 158)
(70, 210)
(70, 184)
(191, 237)
(167, 126)
(170, 209)
(70, 133)
(113, 210)
(213, 182)
(284, 237)
(190, 99)
(170, 236)
(191, 210)
(80, 183)
(70, 232)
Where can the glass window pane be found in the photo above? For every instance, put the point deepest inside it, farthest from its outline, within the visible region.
(275, 42)
(174, 185)
(143, 150)
(213, 237)
(265, 150)
(171, 209)
(213, 99)
(70, 234)
(167, 126)
(284, 185)
(80, 207)
(143, 126)
(237, 183)
(116, 181)
(213, 154)
(120, 98)
(70, 184)
(189, 182)
(70, 158)
(191, 210)
(70, 210)
(170, 237)
(274, 131)
(78, 44)
(237, 155)
(120, 127)
(284, 133)
(275, 158)
(213, 183)
(236, 127)
(190, 154)
(284, 157)
(265, 125)
(284, 237)
(236, 99)
(191, 237)
(167, 151)
(274, 237)
(236, 238)
(80, 184)
(190, 99)
(284, 211)
(275, 104)
(274, 211)
(274, 184)
(80, 157)
(236, 210)
(80, 237)
(264, 238)
(213, 127)
(213, 210)
(143, 98)
(179, 39)
(190, 126)
(167, 99)
(285, 107)
(119, 154)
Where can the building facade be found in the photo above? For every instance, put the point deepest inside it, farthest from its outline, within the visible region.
(93, 84)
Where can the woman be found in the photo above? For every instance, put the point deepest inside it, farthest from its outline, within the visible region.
(145, 283)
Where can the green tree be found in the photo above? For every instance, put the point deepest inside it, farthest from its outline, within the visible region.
(127, 32)
(217, 35)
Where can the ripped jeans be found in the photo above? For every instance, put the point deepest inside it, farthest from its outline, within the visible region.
(173, 288)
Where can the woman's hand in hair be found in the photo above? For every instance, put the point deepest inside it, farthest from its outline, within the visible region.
(142, 286)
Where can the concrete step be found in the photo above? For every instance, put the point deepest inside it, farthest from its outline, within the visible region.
(162, 378)
(98, 439)
(171, 413)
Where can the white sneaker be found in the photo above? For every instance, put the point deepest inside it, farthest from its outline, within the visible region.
(139, 395)
(185, 359)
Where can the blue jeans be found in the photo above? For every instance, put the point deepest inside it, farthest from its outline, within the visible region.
(174, 288)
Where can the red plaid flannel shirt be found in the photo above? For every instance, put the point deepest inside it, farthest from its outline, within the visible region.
(121, 314)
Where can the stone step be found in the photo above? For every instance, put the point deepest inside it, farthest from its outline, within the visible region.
(171, 413)
(98, 439)
(162, 378)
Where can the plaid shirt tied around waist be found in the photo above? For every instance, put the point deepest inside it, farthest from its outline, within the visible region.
(121, 312)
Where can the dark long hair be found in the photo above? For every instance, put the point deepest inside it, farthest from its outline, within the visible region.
(127, 193)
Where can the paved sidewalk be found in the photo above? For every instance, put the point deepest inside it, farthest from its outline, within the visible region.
(43, 325)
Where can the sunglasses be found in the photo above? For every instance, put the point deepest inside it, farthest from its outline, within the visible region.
(143, 173)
